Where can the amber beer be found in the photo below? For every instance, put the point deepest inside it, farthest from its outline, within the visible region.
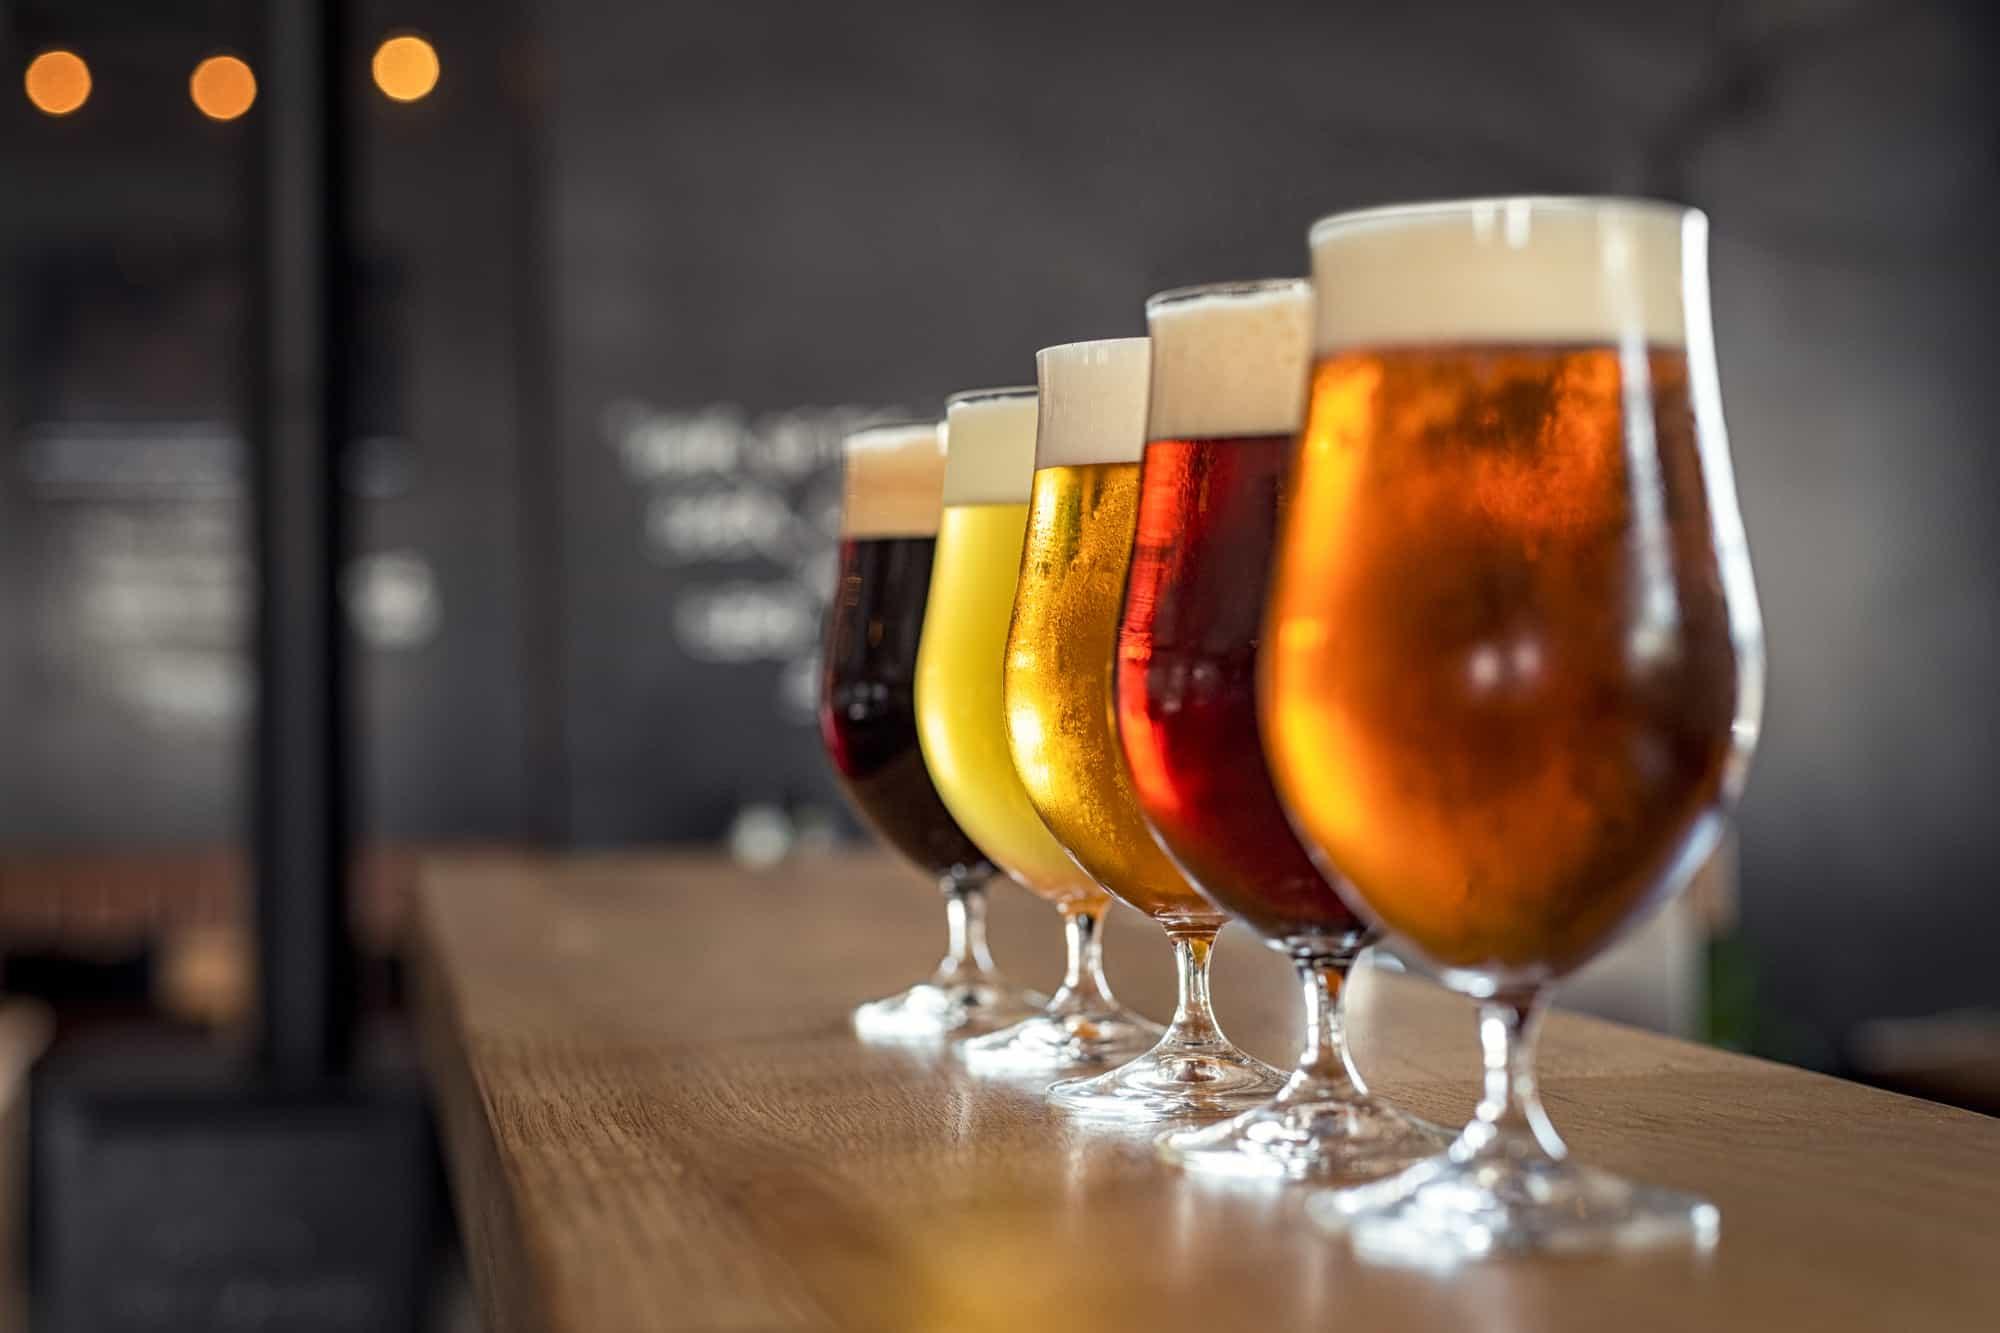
(1062, 643)
(867, 711)
(1502, 674)
(1228, 390)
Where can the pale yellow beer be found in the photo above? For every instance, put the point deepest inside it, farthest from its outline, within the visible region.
(960, 713)
(1061, 649)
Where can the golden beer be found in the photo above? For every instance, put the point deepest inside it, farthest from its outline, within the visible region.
(960, 713)
(1061, 721)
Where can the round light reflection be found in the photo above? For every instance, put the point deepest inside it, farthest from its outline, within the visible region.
(406, 68)
(222, 87)
(57, 82)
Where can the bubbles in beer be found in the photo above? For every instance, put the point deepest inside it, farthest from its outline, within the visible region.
(1061, 724)
(1477, 713)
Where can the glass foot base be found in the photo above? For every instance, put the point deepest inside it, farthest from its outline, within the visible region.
(1173, 1080)
(1446, 1211)
(936, 1010)
(1308, 1132)
(1053, 1043)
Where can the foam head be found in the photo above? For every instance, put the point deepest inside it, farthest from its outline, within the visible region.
(1516, 270)
(1093, 402)
(892, 478)
(990, 446)
(1230, 359)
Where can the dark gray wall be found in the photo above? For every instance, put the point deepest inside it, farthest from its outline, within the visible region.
(1857, 296)
(774, 205)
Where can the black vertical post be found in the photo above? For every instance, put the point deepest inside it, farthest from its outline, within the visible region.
(303, 336)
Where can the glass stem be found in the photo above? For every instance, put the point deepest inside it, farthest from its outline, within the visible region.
(1510, 1120)
(1194, 1014)
(1084, 987)
(965, 919)
(1324, 1065)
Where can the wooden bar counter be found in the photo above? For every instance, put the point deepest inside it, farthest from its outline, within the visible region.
(657, 1117)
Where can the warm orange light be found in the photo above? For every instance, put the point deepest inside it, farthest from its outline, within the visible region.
(58, 82)
(406, 68)
(222, 87)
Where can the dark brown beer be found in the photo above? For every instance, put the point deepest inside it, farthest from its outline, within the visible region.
(892, 479)
(868, 715)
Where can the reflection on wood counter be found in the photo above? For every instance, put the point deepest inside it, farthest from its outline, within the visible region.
(657, 1118)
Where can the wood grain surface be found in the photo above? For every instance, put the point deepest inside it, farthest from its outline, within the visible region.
(657, 1118)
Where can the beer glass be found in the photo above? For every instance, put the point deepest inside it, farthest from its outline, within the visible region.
(1062, 732)
(1514, 665)
(891, 484)
(990, 457)
(1228, 392)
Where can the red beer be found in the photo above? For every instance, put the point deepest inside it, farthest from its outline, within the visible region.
(1227, 396)
(1187, 684)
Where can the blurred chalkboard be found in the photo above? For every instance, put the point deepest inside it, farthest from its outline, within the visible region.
(701, 689)
(124, 540)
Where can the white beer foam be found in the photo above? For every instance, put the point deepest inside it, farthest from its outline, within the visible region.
(1515, 270)
(1230, 360)
(1093, 402)
(989, 447)
(893, 478)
